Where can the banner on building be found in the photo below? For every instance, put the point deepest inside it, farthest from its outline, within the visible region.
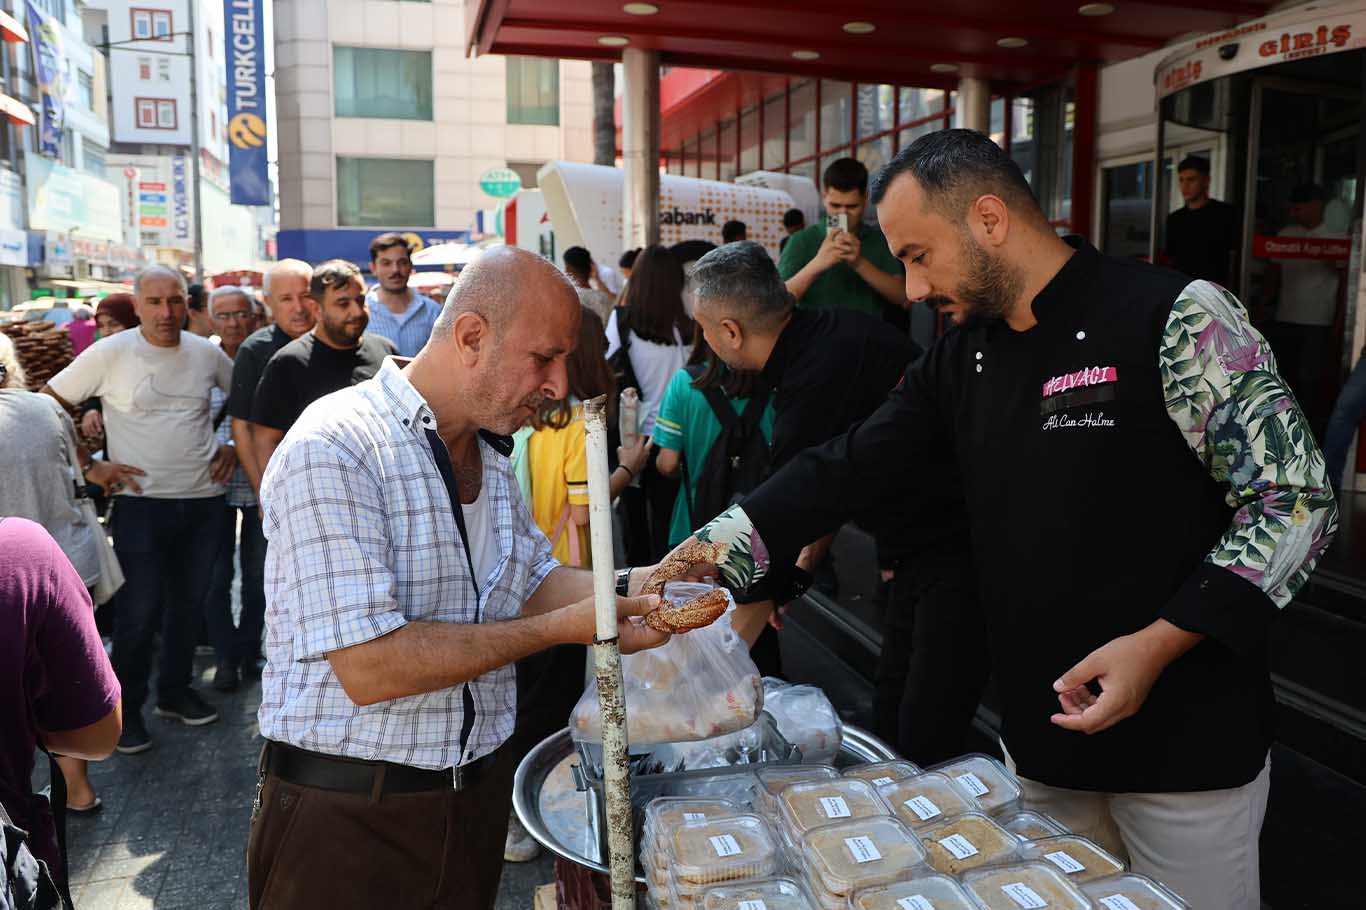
(46, 39)
(248, 174)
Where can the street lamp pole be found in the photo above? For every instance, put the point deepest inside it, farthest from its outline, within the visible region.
(194, 152)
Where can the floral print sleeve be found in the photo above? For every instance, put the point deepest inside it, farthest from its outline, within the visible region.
(1223, 390)
(746, 560)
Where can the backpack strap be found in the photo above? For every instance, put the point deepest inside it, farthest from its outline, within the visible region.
(560, 527)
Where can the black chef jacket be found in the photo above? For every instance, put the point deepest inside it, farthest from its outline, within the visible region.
(1080, 534)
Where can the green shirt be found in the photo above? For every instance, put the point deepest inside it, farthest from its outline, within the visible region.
(840, 285)
(686, 424)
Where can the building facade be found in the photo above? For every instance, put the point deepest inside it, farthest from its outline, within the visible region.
(385, 124)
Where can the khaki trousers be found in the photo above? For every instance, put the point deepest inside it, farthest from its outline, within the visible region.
(1203, 845)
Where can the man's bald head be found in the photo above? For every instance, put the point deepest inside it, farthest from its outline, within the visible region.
(499, 284)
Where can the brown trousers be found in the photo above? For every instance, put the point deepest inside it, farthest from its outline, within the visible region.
(314, 848)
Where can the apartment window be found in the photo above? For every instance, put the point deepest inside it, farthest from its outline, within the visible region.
(92, 158)
(156, 113)
(85, 86)
(151, 24)
(533, 90)
(163, 70)
(145, 68)
(380, 82)
(385, 192)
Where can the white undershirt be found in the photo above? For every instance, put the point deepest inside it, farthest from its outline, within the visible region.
(479, 536)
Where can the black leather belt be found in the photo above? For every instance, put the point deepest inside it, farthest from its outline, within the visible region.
(354, 775)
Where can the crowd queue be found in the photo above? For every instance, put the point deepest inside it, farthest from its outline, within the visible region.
(1095, 487)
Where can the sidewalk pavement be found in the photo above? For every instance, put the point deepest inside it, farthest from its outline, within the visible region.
(173, 831)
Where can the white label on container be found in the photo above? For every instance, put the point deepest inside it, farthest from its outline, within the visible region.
(1118, 902)
(915, 902)
(725, 845)
(862, 848)
(959, 846)
(691, 817)
(835, 807)
(973, 784)
(1024, 896)
(1064, 862)
(922, 806)
(751, 905)
(882, 781)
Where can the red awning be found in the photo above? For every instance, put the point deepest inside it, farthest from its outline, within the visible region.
(11, 29)
(17, 111)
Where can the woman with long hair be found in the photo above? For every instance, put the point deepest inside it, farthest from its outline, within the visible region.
(655, 331)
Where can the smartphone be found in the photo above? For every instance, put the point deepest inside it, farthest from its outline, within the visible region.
(838, 222)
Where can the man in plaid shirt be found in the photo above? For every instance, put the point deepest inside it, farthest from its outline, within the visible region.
(404, 577)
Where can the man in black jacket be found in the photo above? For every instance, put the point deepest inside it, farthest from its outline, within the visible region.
(1143, 496)
(829, 369)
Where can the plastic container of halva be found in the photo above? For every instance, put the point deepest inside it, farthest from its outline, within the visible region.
(1081, 860)
(882, 773)
(773, 779)
(1030, 825)
(985, 779)
(1024, 886)
(926, 892)
(717, 851)
(1132, 892)
(665, 814)
(840, 859)
(927, 799)
(967, 841)
(826, 802)
(765, 894)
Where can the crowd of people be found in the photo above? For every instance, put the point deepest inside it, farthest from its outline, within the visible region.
(403, 488)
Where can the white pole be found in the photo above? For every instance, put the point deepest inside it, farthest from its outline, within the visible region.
(607, 663)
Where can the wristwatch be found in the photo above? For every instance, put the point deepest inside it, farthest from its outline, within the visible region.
(624, 581)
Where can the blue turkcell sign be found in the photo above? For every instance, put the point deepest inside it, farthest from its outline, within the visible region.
(248, 173)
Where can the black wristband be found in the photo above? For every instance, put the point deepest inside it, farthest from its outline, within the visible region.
(630, 475)
(624, 582)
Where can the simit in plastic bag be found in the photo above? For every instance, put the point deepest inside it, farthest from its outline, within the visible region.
(698, 685)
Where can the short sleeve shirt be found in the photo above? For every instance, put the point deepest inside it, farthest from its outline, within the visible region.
(248, 366)
(53, 669)
(558, 464)
(687, 425)
(306, 369)
(840, 285)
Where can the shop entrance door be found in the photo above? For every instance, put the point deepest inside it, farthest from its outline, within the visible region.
(1300, 208)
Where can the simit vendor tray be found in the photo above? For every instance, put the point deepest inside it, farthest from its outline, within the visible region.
(1132, 892)
(1024, 886)
(985, 779)
(1081, 860)
(927, 892)
(927, 799)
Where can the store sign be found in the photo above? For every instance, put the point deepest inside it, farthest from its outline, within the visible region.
(352, 244)
(61, 199)
(248, 174)
(180, 194)
(1268, 246)
(48, 66)
(13, 247)
(1293, 35)
(500, 182)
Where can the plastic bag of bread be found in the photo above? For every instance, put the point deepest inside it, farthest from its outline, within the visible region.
(698, 685)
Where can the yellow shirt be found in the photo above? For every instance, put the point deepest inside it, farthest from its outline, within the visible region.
(558, 463)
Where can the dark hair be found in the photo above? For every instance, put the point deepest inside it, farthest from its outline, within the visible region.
(794, 218)
(578, 261)
(628, 258)
(846, 175)
(653, 306)
(119, 307)
(732, 383)
(334, 273)
(195, 297)
(388, 241)
(953, 167)
(732, 231)
(1194, 163)
(743, 277)
(589, 376)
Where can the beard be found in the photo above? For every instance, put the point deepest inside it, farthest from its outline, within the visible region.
(496, 410)
(988, 290)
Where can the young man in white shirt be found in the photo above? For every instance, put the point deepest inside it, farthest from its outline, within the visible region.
(155, 384)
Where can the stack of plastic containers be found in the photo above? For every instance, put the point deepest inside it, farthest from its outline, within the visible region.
(882, 773)
(803, 807)
(1132, 892)
(766, 893)
(842, 858)
(927, 799)
(1024, 886)
(698, 854)
(925, 892)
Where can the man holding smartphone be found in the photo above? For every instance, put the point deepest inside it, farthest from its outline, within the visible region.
(843, 262)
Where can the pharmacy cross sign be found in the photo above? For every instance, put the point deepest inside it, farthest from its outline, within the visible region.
(500, 182)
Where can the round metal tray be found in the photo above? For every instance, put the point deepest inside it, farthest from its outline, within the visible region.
(555, 812)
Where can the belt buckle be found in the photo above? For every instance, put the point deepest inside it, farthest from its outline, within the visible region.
(457, 778)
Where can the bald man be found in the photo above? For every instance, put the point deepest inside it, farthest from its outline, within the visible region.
(404, 577)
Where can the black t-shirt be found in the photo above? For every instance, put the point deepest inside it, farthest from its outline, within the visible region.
(247, 367)
(305, 370)
(1199, 240)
